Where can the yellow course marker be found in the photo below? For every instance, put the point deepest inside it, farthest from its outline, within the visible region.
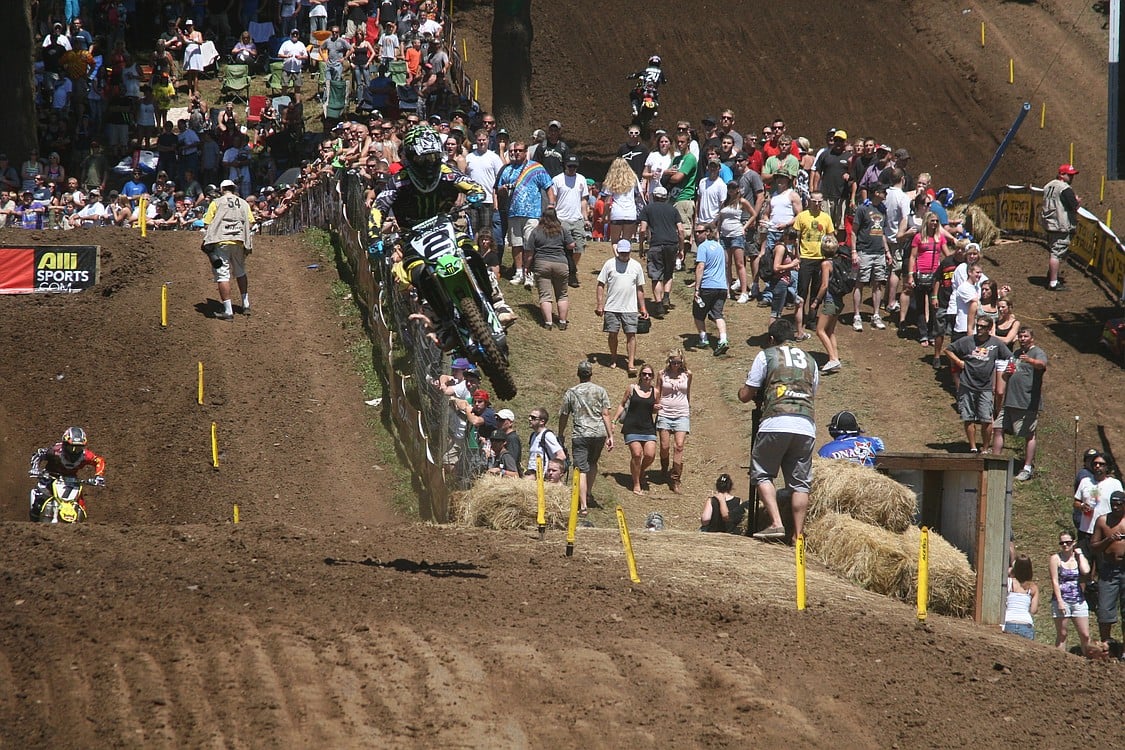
(215, 445)
(236, 512)
(541, 503)
(982, 33)
(572, 522)
(164, 305)
(1109, 218)
(1071, 159)
(199, 395)
(800, 553)
(1101, 192)
(923, 572)
(1011, 70)
(464, 50)
(1043, 115)
(142, 210)
(628, 545)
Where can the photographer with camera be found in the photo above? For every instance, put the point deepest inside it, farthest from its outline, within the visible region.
(227, 241)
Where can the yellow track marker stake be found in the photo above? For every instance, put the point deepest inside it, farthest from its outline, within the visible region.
(1043, 115)
(982, 33)
(142, 210)
(199, 394)
(1071, 159)
(1109, 218)
(800, 553)
(215, 445)
(236, 512)
(572, 522)
(1011, 70)
(476, 91)
(923, 573)
(164, 305)
(541, 503)
(1101, 192)
(628, 545)
(464, 50)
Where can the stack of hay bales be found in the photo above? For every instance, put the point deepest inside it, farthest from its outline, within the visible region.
(859, 524)
(985, 231)
(505, 504)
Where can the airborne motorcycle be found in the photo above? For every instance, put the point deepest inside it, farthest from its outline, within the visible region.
(456, 285)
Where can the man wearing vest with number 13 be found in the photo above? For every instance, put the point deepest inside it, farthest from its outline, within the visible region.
(227, 241)
(787, 378)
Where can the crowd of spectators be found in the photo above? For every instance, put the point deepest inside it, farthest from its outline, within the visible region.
(119, 104)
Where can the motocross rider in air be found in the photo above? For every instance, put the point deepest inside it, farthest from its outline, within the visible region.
(648, 79)
(423, 188)
(64, 458)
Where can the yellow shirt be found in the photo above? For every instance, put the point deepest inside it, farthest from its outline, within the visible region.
(813, 229)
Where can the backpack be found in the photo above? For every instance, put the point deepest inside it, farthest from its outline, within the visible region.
(543, 448)
(842, 280)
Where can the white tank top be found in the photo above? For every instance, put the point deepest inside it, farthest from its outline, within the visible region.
(781, 209)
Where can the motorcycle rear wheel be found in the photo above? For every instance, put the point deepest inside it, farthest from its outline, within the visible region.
(494, 364)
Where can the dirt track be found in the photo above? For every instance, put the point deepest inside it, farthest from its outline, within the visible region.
(322, 621)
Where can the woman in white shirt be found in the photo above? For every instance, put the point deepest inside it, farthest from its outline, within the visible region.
(624, 193)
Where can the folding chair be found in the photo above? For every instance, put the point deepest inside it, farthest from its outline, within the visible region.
(255, 108)
(337, 100)
(236, 78)
(317, 55)
(396, 71)
(275, 81)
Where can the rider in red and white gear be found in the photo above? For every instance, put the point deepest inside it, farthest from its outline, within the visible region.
(65, 458)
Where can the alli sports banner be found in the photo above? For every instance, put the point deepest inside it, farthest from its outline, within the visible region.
(1015, 209)
(48, 268)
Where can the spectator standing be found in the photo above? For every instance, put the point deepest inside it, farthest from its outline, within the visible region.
(572, 204)
(1069, 567)
(228, 240)
(1109, 543)
(710, 287)
(553, 151)
(712, 192)
(635, 152)
(830, 178)
(1060, 220)
(621, 302)
(588, 404)
(482, 165)
(870, 254)
(977, 356)
(520, 185)
(735, 217)
(1022, 601)
(624, 199)
(673, 422)
(637, 416)
(458, 387)
(293, 55)
(193, 55)
(1091, 499)
(1023, 399)
(542, 443)
(681, 177)
(780, 274)
(546, 248)
(787, 379)
(660, 226)
(813, 225)
(655, 165)
(335, 48)
(922, 277)
(827, 304)
(899, 235)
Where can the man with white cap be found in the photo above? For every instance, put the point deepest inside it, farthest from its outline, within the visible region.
(621, 301)
(662, 227)
(227, 241)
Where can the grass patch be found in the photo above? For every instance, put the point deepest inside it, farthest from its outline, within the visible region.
(365, 359)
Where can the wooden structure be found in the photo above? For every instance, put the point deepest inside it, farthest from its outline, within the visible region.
(967, 499)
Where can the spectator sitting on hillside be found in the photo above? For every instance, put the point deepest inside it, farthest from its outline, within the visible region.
(722, 511)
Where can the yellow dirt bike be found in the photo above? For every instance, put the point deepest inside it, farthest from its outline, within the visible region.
(64, 502)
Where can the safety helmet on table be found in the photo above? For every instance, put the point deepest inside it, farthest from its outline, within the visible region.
(654, 60)
(422, 157)
(73, 446)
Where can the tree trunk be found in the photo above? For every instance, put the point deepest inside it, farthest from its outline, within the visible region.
(18, 133)
(511, 59)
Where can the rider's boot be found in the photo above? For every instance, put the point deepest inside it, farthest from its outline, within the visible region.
(36, 504)
(503, 310)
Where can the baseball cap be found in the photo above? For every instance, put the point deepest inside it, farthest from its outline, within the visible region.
(506, 414)
(842, 134)
(585, 367)
(1067, 169)
(660, 192)
(572, 160)
(189, 22)
(461, 364)
(623, 246)
(226, 184)
(1090, 453)
(902, 154)
(435, 119)
(480, 394)
(555, 124)
(1118, 497)
(708, 120)
(884, 147)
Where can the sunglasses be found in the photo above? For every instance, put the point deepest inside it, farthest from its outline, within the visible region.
(646, 374)
(1099, 463)
(516, 150)
(1065, 542)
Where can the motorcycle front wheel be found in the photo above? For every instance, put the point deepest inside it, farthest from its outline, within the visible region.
(494, 364)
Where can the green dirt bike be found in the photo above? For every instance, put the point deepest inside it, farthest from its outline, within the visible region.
(456, 284)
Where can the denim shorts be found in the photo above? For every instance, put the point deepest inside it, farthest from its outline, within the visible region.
(1021, 629)
(673, 424)
(634, 438)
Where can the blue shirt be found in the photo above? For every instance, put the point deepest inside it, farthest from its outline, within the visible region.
(526, 183)
(714, 260)
(133, 189)
(859, 449)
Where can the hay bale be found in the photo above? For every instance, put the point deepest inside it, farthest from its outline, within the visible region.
(985, 231)
(886, 563)
(862, 493)
(505, 504)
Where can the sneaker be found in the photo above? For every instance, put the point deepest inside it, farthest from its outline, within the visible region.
(679, 264)
(831, 365)
(722, 348)
(857, 323)
(573, 282)
(802, 336)
(246, 311)
(528, 280)
(1024, 475)
(563, 325)
(735, 286)
(773, 532)
(507, 318)
(743, 298)
(517, 278)
(893, 308)
(877, 321)
(1059, 287)
(225, 316)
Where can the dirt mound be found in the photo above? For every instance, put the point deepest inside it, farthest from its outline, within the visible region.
(324, 620)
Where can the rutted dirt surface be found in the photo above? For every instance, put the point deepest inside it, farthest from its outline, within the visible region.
(323, 621)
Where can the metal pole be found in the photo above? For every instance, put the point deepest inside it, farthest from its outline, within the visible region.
(1024, 109)
(1114, 94)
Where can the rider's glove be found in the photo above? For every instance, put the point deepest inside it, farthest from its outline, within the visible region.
(99, 481)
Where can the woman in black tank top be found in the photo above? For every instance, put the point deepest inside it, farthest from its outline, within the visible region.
(639, 406)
